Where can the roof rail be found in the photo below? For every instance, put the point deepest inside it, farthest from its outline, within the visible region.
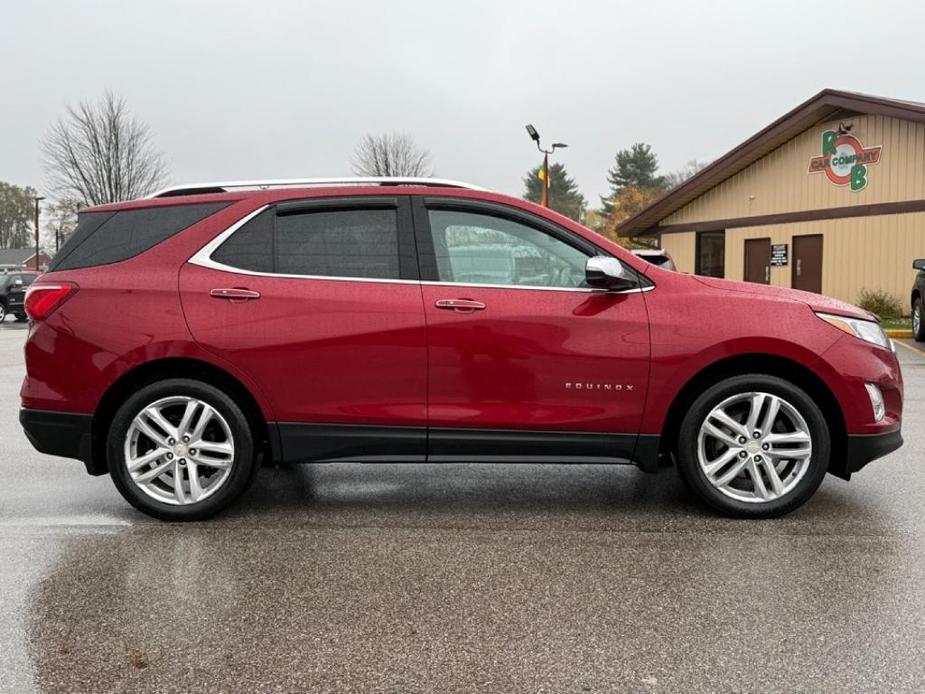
(225, 186)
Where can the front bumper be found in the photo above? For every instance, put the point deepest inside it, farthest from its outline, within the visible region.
(65, 434)
(864, 448)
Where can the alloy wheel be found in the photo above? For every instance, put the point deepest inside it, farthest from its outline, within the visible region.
(179, 450)
(917, 319)
(754, 447)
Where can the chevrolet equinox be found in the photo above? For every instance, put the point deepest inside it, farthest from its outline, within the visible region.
(177, 341)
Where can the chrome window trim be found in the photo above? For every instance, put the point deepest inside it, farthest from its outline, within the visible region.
(203, 258)
(585, 290)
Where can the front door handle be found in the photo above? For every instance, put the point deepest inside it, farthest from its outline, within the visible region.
(236, 294)
(460, 305)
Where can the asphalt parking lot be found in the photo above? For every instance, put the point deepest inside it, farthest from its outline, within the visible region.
(459, 578)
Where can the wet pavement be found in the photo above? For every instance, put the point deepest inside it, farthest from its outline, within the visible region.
(459, 578)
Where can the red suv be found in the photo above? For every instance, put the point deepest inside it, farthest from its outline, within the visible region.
(177, 341)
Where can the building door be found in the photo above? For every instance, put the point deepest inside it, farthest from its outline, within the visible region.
(806, 273)
(758, 261)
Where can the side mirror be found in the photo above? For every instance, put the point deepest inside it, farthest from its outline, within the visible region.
(607, 273)
(919, 264)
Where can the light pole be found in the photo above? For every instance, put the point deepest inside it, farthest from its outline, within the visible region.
(37, 199)
(535, 136)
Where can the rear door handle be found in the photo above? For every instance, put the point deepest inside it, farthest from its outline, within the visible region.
(234, 294)
(460, 305)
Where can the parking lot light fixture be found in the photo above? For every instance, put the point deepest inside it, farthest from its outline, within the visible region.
(535, 136)
(37, 199)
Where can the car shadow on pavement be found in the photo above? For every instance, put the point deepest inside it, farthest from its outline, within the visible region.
(605, 497)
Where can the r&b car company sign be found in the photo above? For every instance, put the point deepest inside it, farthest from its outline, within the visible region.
(844, 159)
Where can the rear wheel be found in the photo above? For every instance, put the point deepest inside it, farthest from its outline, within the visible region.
(918, 321)
(754, 447)
(180, 450)
(21, 317)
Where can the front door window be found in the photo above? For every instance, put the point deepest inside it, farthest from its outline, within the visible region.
(474, 248)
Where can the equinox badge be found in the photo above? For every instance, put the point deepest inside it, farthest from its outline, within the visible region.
(582, 385)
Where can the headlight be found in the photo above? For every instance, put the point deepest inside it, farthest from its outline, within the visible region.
(866, 330)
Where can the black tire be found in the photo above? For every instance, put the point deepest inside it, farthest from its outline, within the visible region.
(21, 317)
(696, 479)
(918, 310)
(243, 466)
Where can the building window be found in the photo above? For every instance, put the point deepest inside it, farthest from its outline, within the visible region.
(711, 254)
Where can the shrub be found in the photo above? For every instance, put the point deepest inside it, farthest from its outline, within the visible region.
(877, 301)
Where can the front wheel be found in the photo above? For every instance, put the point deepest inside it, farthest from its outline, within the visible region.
(2, 313)
(754, 446)
(918, 321)
(180, 450)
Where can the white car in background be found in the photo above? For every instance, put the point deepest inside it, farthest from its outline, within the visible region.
(656, 256)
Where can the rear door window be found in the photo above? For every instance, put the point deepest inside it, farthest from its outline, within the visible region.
(109, 237)
(250, 247)
(351, 243)
(345, 243)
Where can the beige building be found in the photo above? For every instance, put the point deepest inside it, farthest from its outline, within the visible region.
(829, 198)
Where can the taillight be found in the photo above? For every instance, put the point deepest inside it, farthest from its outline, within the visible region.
(44, 299)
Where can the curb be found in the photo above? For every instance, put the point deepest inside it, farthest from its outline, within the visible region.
(899, 333)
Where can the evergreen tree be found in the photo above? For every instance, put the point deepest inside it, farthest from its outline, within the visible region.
(637, 167)
(564, 196)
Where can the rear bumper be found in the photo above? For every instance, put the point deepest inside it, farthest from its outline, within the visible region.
(863, 449)
(64, 434)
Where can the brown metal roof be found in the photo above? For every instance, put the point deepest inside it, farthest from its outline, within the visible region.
(823, 106)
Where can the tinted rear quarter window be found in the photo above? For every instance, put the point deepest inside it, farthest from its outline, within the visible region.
(109, 237)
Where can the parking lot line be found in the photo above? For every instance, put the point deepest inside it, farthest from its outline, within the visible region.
(909, 347)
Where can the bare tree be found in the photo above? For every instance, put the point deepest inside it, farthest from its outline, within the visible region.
(391, 154)
(676, 178)
(100, 153)
(60, 221)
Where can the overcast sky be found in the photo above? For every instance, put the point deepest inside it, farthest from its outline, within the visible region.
(276, 88)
